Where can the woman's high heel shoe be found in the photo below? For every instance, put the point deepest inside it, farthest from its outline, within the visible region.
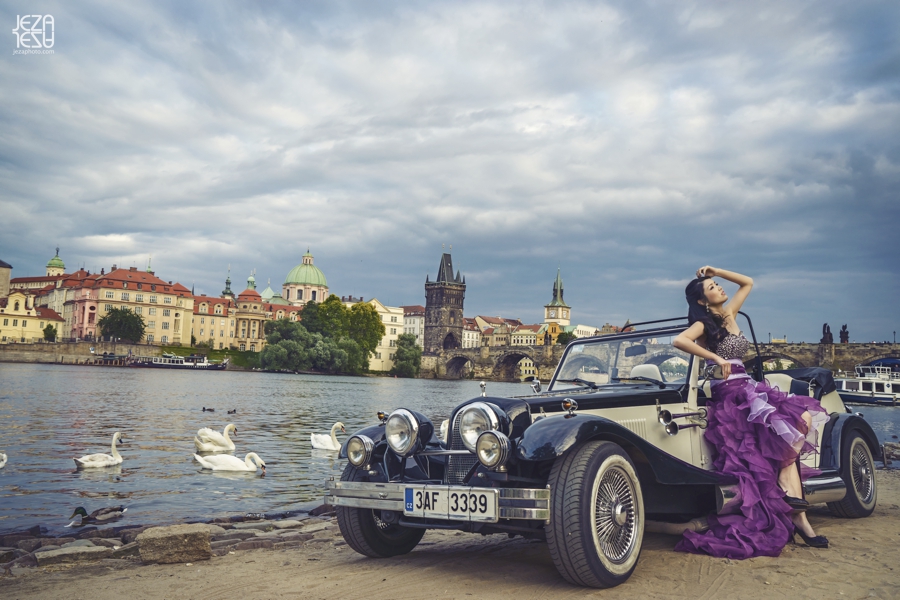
(817, 541)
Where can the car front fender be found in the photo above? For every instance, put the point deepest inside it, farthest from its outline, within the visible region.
(551, 437)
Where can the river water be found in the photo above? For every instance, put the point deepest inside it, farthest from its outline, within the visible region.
(50, 414)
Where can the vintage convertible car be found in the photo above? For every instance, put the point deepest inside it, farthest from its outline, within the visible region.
(612, 448)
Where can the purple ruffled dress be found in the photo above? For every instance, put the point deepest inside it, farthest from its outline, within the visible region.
(753, 429)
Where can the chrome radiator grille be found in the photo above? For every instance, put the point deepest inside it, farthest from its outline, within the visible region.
(458, 465)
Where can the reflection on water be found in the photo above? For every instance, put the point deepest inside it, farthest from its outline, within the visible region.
(50, 414)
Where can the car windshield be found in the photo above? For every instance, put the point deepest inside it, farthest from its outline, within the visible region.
(597, 363)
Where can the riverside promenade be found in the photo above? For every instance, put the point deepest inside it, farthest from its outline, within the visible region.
(861, 563)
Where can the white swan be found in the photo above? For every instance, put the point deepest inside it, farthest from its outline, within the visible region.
(208, 440)
(93, 461)
(2, 460)
(226, 462)
(324, 442)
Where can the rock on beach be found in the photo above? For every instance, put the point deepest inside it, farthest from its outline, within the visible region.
(72, 554)
(175, 544)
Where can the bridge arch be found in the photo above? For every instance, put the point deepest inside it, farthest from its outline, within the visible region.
(879, 356)
(459, 366)
(505, 364)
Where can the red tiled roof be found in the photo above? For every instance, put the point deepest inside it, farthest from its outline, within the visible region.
(43, 278)
(287, 308)
(250, 296)
(414, 309)
(132, 275)
(211, 301)
(534, 328)
(48, 313)
(499, 320)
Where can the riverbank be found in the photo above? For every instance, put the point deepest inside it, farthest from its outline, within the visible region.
(448, 564)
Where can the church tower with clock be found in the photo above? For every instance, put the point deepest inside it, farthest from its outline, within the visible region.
(557, 311)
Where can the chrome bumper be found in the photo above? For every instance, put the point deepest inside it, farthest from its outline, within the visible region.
(816, 491)
(513, 503)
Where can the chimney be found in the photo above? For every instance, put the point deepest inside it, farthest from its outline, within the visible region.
(132, 268)
(113, 268)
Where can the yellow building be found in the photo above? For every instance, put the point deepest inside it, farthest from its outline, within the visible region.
(392, 317)
(23, 322)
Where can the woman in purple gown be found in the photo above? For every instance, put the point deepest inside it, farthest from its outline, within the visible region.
(757, 432)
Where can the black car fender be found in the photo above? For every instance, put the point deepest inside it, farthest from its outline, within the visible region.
(838, 428)
(551, 437)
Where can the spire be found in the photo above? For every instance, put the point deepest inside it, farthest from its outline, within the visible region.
(149, 268)
(227, 293)
(445, 270)
(558, 287)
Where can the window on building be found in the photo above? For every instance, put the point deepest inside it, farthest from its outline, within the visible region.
(150, 337)
(202, 320)
(252, 347)
(126, 297)
(15, 322)
(299, 294)
(164, 339)
(231, 333)
(5, 322)
(391, 356)
(220, 345)
(151, 311)
(153, 299)
(393, 343)
(165, 324)
(24, 323)
(242, 347)
(138, 310)
(218, 309)
(138, 297)
(110, 294)
(151, 324)
(221, 333)
(393, 331)
(125, 285)
(167, 312)
(41, 325)
(108, 307)
(232, 322)
(378, 355)
(314, 296)
(167, 300)
(201, 332)
(393, 319)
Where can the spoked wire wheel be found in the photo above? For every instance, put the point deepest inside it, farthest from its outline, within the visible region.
(614, 522)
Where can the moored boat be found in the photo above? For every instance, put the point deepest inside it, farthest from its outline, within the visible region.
(870, 384)
(170, 361)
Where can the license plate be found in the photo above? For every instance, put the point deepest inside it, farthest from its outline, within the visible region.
(457, 503)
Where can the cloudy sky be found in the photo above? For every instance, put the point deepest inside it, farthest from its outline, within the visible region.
(626, 143)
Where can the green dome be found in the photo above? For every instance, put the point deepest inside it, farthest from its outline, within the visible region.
(306, 273)
(56, 261)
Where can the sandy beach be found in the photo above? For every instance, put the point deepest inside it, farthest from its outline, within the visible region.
(861, 563)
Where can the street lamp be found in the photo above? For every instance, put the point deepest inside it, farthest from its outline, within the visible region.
(770, 337)
(895, 337)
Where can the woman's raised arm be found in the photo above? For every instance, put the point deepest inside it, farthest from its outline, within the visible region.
(745, 285)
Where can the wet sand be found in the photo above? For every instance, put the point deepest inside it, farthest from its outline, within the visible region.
(861, 563)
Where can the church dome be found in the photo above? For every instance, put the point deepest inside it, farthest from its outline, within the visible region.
(56, 262)
(306, 273)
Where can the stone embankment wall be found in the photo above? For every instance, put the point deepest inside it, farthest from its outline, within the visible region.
(72, 352)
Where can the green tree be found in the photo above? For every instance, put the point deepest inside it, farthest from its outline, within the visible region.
(122, 323)
(50, 332)
(565, 337)
(408, 358)
(365, 327)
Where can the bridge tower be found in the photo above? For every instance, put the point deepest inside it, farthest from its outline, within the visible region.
(444, 308)
(558, 311)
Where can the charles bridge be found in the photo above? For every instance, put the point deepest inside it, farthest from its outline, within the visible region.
(498, 363)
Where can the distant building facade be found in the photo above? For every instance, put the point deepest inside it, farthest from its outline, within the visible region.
(414, 323)
(21, 321)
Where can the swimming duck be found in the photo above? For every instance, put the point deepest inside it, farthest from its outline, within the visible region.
(232, 412)
(208, 409)
(2, 460)
(208, 440)
(94, 461)
(101, 515)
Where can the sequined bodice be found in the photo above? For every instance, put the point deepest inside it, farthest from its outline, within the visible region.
(733, 346)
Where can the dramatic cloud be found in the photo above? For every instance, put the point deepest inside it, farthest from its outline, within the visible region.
(625, 143)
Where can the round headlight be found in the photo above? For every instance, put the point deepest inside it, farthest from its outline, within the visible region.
(359, 450)
(492, 449)
(475, 419)
(401, 431)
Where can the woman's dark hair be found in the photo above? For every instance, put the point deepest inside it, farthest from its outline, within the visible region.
(712, 323)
